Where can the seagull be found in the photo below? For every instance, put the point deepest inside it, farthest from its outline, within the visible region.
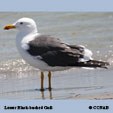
(48, 53)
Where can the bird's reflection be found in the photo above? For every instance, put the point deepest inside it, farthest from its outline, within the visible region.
(50, 95)
(43, 97)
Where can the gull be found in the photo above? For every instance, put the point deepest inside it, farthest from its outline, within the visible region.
(48, 53)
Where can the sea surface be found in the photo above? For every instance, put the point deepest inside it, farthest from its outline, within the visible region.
(18, 80)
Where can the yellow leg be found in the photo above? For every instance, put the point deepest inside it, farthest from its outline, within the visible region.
(49, 79)
(42, 81)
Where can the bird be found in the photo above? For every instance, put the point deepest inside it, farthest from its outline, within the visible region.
(48, 53)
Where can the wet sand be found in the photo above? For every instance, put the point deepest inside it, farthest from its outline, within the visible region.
(100, 96)
(24, 83)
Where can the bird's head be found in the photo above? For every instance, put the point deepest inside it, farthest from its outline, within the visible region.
(23, 25)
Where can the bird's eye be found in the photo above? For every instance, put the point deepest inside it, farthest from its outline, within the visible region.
(21, 23)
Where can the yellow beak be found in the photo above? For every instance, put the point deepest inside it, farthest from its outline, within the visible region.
(7, 27)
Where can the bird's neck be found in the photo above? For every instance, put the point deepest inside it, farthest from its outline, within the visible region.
(27, 32)
(24, 34)
(25, 37)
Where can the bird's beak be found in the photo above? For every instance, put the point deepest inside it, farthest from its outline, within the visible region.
(7, 27)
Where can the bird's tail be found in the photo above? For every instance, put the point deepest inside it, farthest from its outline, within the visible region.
(94, 64)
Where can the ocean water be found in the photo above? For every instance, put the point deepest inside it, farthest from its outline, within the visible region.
(18, 80)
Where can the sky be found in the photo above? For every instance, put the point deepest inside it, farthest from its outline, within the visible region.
(56, 5)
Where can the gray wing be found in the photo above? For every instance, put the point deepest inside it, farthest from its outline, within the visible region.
(54, 52)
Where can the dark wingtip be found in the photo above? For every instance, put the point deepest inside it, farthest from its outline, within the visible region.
(106, 65)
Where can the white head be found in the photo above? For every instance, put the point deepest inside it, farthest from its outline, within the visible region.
(27, 25)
